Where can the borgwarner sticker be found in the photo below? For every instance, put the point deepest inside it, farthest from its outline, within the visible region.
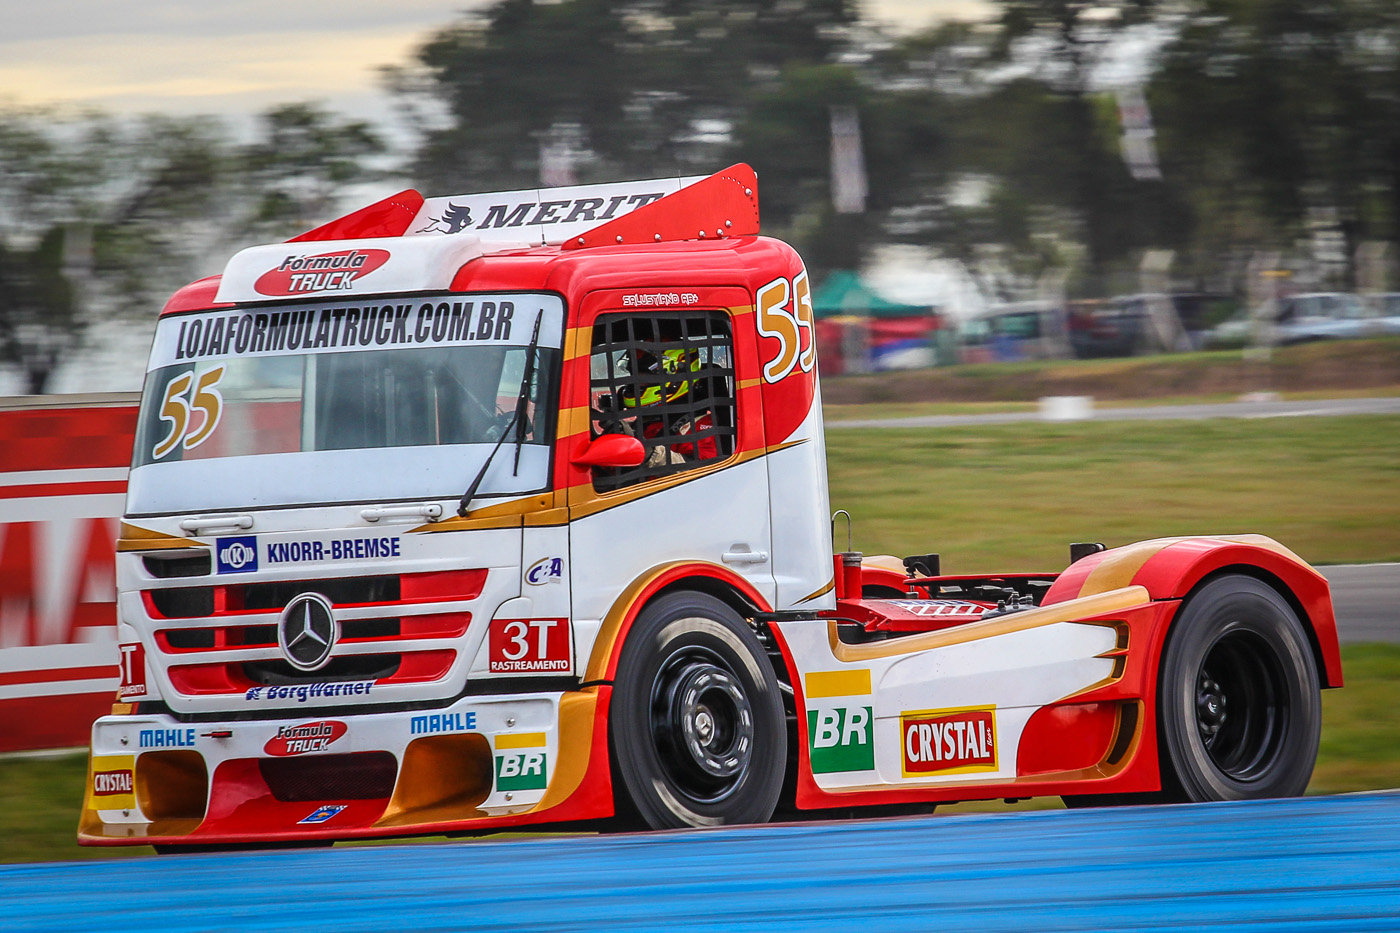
(307, 737)
(236, 555)
(297, 275)
(303, 692)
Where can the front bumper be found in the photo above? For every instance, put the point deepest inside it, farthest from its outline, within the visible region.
(482, 763)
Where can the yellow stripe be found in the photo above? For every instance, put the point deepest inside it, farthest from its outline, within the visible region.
(830, 585)
(136, 538)
(838, 683)
(576, 419)
(1118, 569)
(576, 715)
(520, 740)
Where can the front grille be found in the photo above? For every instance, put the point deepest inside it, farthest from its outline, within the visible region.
(228, 647)
(197, 602)
(345, 591)
(183, 602)
(357, 776)
(351, 667)
(178, 563)
(265, 636)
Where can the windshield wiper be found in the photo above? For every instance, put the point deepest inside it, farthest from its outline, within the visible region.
(516, 425)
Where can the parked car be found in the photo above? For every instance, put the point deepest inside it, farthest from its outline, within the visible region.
(1129, 325)
(1386, 307)
(1024, 330)
(1302, 318)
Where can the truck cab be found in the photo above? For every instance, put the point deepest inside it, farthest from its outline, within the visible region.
(393, 498)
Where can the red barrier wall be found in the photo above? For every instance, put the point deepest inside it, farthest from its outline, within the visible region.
(63, 467)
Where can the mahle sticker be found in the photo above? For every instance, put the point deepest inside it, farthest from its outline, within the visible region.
(839, 739)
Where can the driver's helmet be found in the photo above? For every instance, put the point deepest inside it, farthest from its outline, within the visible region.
(677, 362)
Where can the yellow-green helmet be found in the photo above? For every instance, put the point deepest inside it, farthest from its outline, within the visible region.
(668, 361)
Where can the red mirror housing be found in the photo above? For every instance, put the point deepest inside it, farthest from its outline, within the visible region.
(611, 450)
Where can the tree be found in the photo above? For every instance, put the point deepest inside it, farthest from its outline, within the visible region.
(1280, 116)
(297, 169)
(647, 86)
(39, 323)
(100, 215)
(1071, 35)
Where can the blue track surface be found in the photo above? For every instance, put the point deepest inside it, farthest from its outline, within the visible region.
(1310, 864)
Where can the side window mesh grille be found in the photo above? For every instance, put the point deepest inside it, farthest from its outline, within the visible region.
(666, 378)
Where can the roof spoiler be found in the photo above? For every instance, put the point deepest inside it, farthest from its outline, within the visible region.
(701, 207)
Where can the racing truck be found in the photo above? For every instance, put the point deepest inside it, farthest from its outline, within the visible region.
(469, 513)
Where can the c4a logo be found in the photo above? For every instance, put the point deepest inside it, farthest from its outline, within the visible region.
(839, 739)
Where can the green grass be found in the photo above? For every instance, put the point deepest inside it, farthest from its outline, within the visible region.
(887, 410)
(1323, 366)
(1012, 497)
(40, 800)
(1361, 733)
(40, 797)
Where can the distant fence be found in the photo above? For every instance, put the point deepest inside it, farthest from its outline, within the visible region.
(63, 468)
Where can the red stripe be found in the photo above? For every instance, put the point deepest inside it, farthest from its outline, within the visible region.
(66, 438)
(57, 675)
(44, 490)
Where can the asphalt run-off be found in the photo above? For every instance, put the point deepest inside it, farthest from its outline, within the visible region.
(1316, 864)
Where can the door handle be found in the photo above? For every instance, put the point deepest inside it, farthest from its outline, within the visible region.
(744, 557)
(213, 524)
(432, 511)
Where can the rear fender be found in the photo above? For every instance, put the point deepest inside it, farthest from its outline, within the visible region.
(1171, 568)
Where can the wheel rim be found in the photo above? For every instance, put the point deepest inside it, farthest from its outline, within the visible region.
(1241, 705)
(702, 724)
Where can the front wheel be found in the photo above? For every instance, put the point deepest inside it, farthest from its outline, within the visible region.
(697, 732)
(1240, 709)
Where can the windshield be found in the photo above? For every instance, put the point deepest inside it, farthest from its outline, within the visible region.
(287, 407)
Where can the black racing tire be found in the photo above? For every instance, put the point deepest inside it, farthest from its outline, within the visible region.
(1239, 704)
(696, 732)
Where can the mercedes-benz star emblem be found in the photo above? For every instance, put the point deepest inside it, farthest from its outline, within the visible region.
(307, 631)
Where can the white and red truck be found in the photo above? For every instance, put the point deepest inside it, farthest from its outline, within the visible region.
(506, 509)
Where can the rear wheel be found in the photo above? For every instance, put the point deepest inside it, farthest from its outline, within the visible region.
(1239, 702)
(697, 732)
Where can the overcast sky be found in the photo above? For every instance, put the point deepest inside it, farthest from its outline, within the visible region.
(239, 56)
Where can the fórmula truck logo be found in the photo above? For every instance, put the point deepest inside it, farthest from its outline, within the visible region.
(237, 555)
(338, 271)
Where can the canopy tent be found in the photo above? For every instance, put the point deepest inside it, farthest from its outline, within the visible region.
(860, 331)
(845, 292)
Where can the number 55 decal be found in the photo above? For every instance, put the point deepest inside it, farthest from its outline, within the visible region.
(175, 410)
(787, 325)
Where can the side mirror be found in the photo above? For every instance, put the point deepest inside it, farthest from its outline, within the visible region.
(611, 450)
